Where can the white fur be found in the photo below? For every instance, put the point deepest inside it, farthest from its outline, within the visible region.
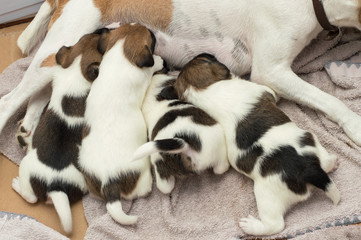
(228, 102)
(70, 82)
(213, 152)
(117, 126)
(266, 35)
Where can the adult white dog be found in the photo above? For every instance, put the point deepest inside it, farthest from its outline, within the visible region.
(266, 35)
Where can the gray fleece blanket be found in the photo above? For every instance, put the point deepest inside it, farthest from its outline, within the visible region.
(210, 206)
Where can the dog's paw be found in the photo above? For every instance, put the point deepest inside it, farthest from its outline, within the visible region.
(23, 136)
(251, 225)
(166, 186)
(28, 196)
(16, 184)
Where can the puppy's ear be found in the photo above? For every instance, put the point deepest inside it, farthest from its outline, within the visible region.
(145, 58)
(169, 93)
(62, 57)
(103, 41)
(92, 71)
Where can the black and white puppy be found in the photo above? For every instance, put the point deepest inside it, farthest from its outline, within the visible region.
(48, 171)
(184, 139)
(115, 126)
(262, 143)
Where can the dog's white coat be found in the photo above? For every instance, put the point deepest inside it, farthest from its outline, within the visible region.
(228, 102)
(71, 82)
(117, 127)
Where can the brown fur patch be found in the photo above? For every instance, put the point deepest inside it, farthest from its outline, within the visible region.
(155, 14)
(124, 184)
(91, 57)
(201, 72)
(138, 44)
(94, 184)
(50, 61)
(85, 131)
(58, 10)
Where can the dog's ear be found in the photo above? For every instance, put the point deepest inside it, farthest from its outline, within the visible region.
(92, 71)
(144, 58)
(103, 41)
(169, 93)
(62, 57)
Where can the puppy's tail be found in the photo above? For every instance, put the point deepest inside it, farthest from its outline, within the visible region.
(62, 207)
(116, 212)
(321, 180)
(169, 145)
(36, 30)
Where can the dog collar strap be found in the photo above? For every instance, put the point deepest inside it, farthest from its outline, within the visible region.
(323, 20)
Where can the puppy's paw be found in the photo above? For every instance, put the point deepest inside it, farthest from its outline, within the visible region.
(166, 186)
(28, 196)
(16, 184)
(251, 225)
(158, 63)
(23, 136)
(335, 163)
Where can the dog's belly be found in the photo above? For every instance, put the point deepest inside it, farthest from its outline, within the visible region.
(208, 27)
(234, 53)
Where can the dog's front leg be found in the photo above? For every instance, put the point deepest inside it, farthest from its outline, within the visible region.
(35, 108)
(34, 80)
(277, 74)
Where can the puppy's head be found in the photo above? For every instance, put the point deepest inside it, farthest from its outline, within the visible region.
(86, 47)
(139, 43)
(201, 72)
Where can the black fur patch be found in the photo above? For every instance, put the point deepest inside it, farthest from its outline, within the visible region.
(74, 193)
(307, 140)
(247, 162)
(169, 144)
(167, 93)
(198, 116)
(55, 142)
(124, 184)
(41, 189)
(74, 106)
(264, 115)
(172, 165)
(192, 139)
(296, 170)
(178, 103)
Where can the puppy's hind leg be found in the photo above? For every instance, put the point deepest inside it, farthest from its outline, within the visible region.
(272, 203)
(22, 185)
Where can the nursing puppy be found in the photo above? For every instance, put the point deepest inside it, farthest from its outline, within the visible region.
(259, 37)
(262, 143)
(184, 139)
(115, 126)
(47, 172)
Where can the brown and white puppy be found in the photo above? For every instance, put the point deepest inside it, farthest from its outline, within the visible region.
(262, 143)
(48, 171)
(184, 139)
(259, 37)
(115, 126)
